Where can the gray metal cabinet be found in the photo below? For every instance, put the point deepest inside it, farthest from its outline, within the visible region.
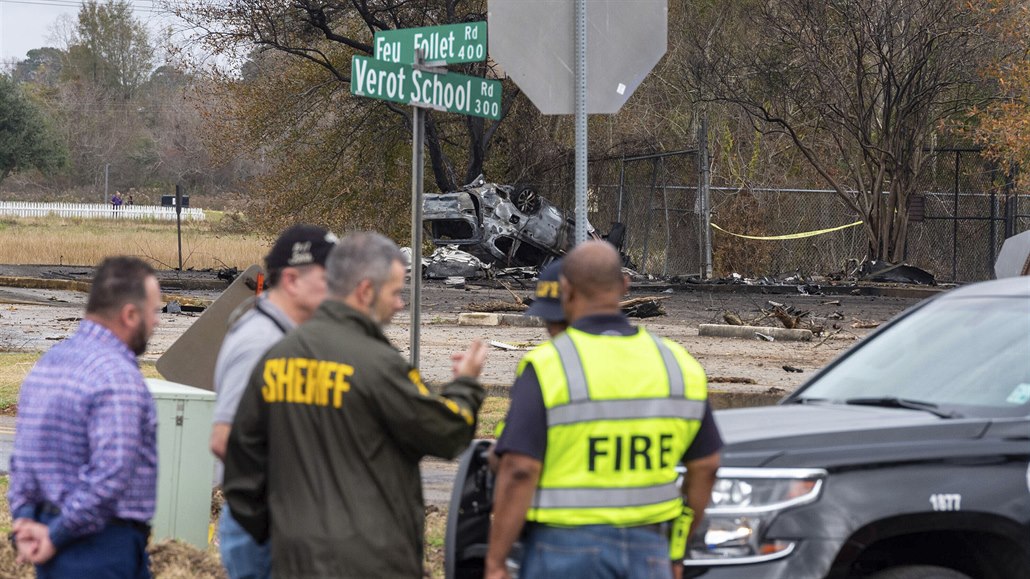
(185, 464)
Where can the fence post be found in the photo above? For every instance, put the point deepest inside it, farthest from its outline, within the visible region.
(1011, 205)
(647, 215)
(993, 243)
(954, 223)
(704, 190)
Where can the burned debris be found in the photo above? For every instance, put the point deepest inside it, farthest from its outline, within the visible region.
(504, 225)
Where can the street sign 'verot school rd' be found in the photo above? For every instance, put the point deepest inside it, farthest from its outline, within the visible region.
(448, 91)
(450, 44)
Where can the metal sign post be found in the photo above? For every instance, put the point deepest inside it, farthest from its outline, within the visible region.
(581, 121)
(399, 72)
(418, 133)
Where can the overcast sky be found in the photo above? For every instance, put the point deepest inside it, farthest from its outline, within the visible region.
(27, 24)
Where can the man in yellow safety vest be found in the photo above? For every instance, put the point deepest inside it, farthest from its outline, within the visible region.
(600, 418)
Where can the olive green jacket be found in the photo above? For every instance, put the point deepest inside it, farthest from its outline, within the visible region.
(324, 451)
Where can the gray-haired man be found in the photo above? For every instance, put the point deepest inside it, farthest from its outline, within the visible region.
(297, 285)
(323, 455)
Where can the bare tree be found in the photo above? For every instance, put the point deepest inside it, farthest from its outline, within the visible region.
(858, 86)
(326, 33)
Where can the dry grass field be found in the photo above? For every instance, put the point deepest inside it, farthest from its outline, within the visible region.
(61, 241)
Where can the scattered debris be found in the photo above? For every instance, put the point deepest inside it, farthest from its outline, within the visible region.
(449, 261)
(775, 390)
(228, 274)
(173, 307)
(788, 316)
(647, 307)
(497, 306)
(730, 380)
(455, 282)
(732, 318)
(836, 316)
(73, 319)
(832, 303)
(828, 336)
(864, 325)
(792, 369)
(882, 271)
(765, 337)
(503, 346)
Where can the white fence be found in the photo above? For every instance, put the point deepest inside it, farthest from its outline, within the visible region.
(98, 211)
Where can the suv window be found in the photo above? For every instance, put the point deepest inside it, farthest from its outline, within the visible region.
(969, 355)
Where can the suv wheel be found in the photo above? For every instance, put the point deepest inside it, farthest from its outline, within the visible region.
(919, 572)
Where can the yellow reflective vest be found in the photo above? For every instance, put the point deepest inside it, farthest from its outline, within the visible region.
(621, 413)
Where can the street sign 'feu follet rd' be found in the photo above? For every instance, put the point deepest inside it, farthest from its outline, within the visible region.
(451, 44)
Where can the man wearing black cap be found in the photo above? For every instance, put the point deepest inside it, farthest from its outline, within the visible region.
(295, 274)
(547, 301)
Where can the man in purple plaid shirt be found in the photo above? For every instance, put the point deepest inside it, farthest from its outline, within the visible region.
(84, 468)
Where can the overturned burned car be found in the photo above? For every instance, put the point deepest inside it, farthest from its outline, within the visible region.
(503, 224)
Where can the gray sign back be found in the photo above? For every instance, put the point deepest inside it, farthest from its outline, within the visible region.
(191, 359)
(534, 42)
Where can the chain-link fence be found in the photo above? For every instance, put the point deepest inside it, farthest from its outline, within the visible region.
(963, 211)
(653, 196)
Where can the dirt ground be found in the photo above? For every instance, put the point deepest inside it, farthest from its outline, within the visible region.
(33, 319)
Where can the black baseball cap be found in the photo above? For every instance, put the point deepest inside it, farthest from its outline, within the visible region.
(547, 299)
(300, 245)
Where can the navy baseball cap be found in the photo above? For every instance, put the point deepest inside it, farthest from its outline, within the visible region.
(547, 300)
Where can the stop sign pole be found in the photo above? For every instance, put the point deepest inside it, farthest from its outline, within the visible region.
(581, 122)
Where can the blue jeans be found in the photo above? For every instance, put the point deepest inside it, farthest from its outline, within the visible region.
(116, 552)
(242, 557)
(594, 552)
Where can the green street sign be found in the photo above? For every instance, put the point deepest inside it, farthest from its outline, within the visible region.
(450, 44)
(402, 83)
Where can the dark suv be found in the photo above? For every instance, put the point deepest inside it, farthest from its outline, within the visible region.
(907, 457)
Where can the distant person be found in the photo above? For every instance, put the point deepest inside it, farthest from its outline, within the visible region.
(84, 467)
(600, 417)
(295, 275)
(116, 201)
(324, 453)
(130, 199)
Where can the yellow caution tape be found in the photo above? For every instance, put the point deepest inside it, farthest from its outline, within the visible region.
(210, 533)
(789, 235)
